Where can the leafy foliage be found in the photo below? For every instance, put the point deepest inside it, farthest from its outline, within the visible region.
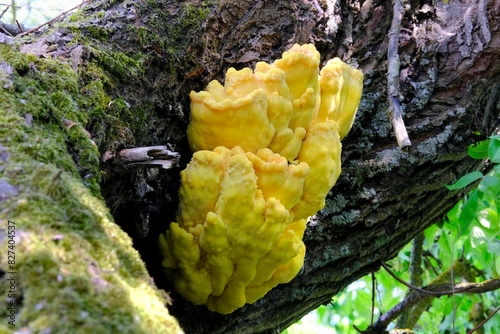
(470, 233)
(477, 216)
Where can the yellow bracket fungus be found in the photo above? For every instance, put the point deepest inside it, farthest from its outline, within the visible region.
(267, 152)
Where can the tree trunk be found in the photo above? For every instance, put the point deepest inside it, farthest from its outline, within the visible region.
(117, 74)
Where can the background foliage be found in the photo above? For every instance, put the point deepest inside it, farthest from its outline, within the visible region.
(31, 13)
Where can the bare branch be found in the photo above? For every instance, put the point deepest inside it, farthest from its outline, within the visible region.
(423, 291)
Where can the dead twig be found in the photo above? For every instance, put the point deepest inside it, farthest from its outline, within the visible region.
(4, 11)
(20, 26)
(394, 110)
(5, 31)
(51, 21)
(145, 157)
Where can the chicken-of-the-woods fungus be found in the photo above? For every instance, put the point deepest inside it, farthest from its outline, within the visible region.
(267, 152)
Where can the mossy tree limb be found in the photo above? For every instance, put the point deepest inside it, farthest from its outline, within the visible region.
(121, 71)
(66, 266)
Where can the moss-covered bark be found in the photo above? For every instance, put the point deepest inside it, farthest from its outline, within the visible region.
(117, 74)
(66, 266)
(68, 96)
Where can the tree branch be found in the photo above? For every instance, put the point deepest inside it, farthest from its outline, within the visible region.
(484, 321)
(416, 272)
(436, 290)
(423, 291)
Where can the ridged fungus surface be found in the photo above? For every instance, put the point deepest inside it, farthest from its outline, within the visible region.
(266, 153)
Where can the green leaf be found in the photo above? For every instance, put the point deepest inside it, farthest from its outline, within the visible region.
(468, 214)
(494, 149)
(490, 181)
(465, 180)
(454, 213)
(479, 150)
(488, 218)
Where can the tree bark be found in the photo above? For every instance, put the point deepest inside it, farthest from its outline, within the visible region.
(135, 64)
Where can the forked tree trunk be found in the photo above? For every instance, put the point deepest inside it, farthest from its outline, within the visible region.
(136, 62)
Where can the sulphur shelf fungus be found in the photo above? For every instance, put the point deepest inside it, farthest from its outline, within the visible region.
(267, 152)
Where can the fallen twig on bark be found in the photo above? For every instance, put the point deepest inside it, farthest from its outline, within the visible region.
(394, 110)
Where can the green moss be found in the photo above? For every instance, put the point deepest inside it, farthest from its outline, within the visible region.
(111, 119)
(119, 64)
(75, 16)
(76, 270)
(47, 93)
(144, 34)
(190, 19)
(183, 24)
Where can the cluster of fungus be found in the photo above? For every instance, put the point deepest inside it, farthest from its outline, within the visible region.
(266, 153)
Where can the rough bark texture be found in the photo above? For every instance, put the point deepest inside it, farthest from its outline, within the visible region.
(138, 60)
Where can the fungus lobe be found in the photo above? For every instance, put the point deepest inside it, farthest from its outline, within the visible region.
(266, 153)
